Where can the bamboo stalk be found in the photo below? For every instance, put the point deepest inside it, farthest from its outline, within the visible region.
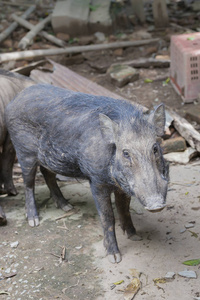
(25, 41)
(44, 34)
(14, 25)
(76, 49)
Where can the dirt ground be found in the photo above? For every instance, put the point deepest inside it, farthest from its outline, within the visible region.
(33, 267)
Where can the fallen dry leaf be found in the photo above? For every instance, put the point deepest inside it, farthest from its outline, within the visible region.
(132, 289)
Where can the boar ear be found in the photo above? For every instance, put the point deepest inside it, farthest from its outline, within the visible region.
(158, 119)
(108, 128)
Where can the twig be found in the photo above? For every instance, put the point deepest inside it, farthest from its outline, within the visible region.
(44, 34)
(62, 227)
(147, 63)
(76, 49)
(69, 213)
(58, 256)
(14, 25)
(63, 291)
(25, 41)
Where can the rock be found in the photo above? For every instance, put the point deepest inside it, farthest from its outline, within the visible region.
(99, 66)
(183, 230)
(122, 74)
(8, 270)
(99, 18)
(71, 17)
(118, 52)
(176, 144)
(63, 36)
(142, 35)
(188, 274)
(181, 157)
(150, 50)
(86, 40)
(14, 244)
(100, 36)
(73, 60)
(170, 275)
(189, 225)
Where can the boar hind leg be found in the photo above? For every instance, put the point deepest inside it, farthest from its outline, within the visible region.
(1, 178)
(3, 220)
(56, 194)
(29, 172)
(105, 211)
(122, 202)
(8, 159)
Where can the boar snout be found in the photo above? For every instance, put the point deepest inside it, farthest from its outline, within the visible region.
(155, 204)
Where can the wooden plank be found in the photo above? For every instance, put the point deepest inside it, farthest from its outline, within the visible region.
(76, 49)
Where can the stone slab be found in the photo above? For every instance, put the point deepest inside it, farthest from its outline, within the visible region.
(99, 18)
(71, 17)
(122, 74)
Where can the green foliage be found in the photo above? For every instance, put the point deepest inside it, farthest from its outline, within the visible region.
(192, 262)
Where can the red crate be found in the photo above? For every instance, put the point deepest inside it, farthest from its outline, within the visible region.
(185, 65)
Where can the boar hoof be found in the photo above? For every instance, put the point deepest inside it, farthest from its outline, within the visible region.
(67, 207)
(12, 192)
(135, 237)
(114, 258)
(34, 222)
(3, 220)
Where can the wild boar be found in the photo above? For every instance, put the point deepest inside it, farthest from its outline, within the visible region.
(110, 142)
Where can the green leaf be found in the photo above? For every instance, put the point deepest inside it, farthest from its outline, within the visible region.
(193, 233)
(147, 80)
(192, 262)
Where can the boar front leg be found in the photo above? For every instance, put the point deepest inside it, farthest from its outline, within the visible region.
(102, 199)
(122, 202)
(8, 159)
(28, 172)
(1, 177)
(55, 191)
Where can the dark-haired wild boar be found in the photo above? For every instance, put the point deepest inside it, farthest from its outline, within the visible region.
(11, 84)
(109, 142)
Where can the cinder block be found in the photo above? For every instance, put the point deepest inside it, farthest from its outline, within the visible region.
(71, 16)
(100, 19)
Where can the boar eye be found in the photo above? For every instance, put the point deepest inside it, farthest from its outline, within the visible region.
(155, 148)
(126, 154)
